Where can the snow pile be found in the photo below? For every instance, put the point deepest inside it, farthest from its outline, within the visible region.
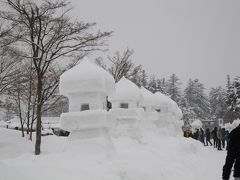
(151, 158)
(86, 77)
(126, 90)
(197, 124)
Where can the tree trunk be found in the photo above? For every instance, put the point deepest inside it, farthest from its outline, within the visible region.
(29, 100)
(39, 110)
(20, 110)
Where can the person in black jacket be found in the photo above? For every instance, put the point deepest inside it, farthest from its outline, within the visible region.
(233, 155)
(208, 137)
(214, 135)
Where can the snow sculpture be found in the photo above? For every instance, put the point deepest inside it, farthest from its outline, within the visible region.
(197, 124)
(126, 107)
(148, 103)
(166, 106)
(169, 114)
(87, 86)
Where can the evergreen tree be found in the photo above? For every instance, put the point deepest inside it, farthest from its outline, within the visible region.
(232, 100)
(173, 88)
(152, 85)
(233, 96)
(217, 102)
(195, 96)
(144, 78)
(228, 82)
(161, 85)
(187, 110)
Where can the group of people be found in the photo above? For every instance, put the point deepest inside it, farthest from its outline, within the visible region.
(219, 135)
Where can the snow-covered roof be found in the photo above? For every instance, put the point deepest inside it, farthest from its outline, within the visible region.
(163, 100)
(126, 90)
(147, 97)
(86, 77)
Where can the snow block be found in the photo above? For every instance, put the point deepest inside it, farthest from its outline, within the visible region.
(89, 119)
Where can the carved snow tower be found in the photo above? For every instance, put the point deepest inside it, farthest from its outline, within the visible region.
(87, 86)
(126, 107)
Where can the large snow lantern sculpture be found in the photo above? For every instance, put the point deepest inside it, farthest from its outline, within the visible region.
(126, 107)
(148, 103)
(167, 107)
(169, 114)
(87, 86)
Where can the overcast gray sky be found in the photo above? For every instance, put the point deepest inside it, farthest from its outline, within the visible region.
(193, 39)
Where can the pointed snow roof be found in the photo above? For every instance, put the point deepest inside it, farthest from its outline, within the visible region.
(86, 77)
(126, 90)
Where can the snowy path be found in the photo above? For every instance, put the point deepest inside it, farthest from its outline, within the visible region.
(179, 158)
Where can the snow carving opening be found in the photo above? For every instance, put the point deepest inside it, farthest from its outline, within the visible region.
(87, 87)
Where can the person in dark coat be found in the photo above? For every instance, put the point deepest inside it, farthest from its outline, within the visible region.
(202, 136)
(233, 155)
(227, 139)
(223, 137)
(196, 134)
(208, 137)
(219, 139)
(109, 104)
(214, 135)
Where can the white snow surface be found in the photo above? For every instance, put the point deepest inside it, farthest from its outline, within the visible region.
(153, 157)
(86, 77)
(126, 90)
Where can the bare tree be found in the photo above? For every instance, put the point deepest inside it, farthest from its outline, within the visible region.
(122, 65)
(48, 34)
(9, 60)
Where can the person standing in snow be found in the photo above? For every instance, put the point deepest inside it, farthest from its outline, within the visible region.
(223, 137)
(233, 156)
(208, 137)
(109, 104)
(202, 136)
(219, 138)
(214, 135)
(227, 139)
(196, 134)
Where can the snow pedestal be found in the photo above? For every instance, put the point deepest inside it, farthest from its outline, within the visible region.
(87, 87)
(126, 108)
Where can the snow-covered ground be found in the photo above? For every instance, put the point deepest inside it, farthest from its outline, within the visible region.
(154, 157)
